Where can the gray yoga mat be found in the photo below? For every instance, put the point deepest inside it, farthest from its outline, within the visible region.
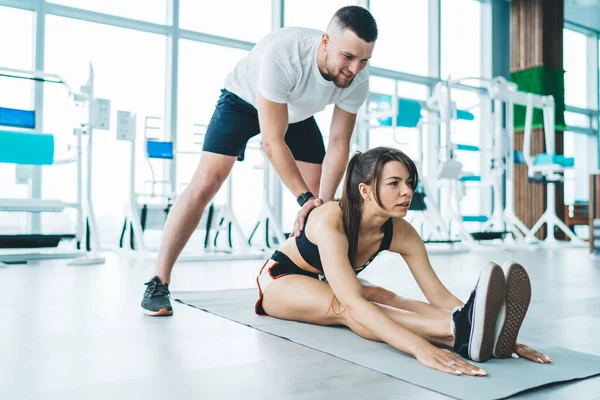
(505, 377)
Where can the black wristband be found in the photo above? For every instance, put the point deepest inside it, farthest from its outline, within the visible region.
(304, 197)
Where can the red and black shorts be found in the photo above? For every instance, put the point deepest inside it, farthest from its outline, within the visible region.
(274, 268)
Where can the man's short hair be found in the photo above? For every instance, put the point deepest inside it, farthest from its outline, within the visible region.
(359, 20)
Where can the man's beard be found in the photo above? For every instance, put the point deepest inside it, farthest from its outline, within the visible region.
(338, 80)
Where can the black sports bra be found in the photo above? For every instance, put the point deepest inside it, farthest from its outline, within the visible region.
(310, 252)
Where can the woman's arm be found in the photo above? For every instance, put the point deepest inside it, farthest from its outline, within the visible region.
(408, 244)
(333, 246)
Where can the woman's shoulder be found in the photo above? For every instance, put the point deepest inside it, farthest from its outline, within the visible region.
(327, 215)
(403, 227)
(331, 207)
(405, 236)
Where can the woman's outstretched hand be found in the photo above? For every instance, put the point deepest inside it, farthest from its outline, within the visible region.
(446, 361)
(527, 352)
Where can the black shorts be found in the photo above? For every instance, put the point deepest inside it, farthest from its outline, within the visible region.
(235, 121)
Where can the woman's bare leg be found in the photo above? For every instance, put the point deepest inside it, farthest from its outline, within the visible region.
(377, 294)
(300, 298)
(435, 329)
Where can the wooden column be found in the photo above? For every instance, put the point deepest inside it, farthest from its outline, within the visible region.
(536, 41)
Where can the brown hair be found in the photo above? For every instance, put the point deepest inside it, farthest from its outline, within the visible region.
(366, 168)
(359, 20)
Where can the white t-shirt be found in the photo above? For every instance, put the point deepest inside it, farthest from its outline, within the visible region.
(283, 66)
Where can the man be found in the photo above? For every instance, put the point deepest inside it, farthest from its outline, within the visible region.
(276, 89)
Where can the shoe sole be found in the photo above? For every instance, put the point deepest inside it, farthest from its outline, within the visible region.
(518, 297)
(489, 299)
(161, 312)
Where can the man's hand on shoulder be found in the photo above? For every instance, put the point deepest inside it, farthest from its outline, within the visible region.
(303, 213)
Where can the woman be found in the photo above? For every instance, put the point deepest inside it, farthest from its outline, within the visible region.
(313, 277)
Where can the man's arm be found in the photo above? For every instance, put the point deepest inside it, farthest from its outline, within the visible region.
(336, 158)
(273, 119)
(342, 126)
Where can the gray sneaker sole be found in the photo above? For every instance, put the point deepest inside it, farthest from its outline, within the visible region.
(481, 344)
(518, 297)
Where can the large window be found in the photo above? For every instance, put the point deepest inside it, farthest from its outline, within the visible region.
(129, 70)
(575, 66)
(16, 52)
(576, 94)
(314, 14)
(381, 134)
(403, 35)
(144, 10)
(461, 42)
(200, 82)
(237, 19)
(461, 57)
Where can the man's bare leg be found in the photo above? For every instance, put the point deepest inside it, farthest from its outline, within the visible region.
(187, 211)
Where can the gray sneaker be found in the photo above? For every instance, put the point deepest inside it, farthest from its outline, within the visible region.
(474, 322)
(513, 311)
(156, 298)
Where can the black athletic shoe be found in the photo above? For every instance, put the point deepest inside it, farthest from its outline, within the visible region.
(512, 313)
(475, 322)
(156, 298)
